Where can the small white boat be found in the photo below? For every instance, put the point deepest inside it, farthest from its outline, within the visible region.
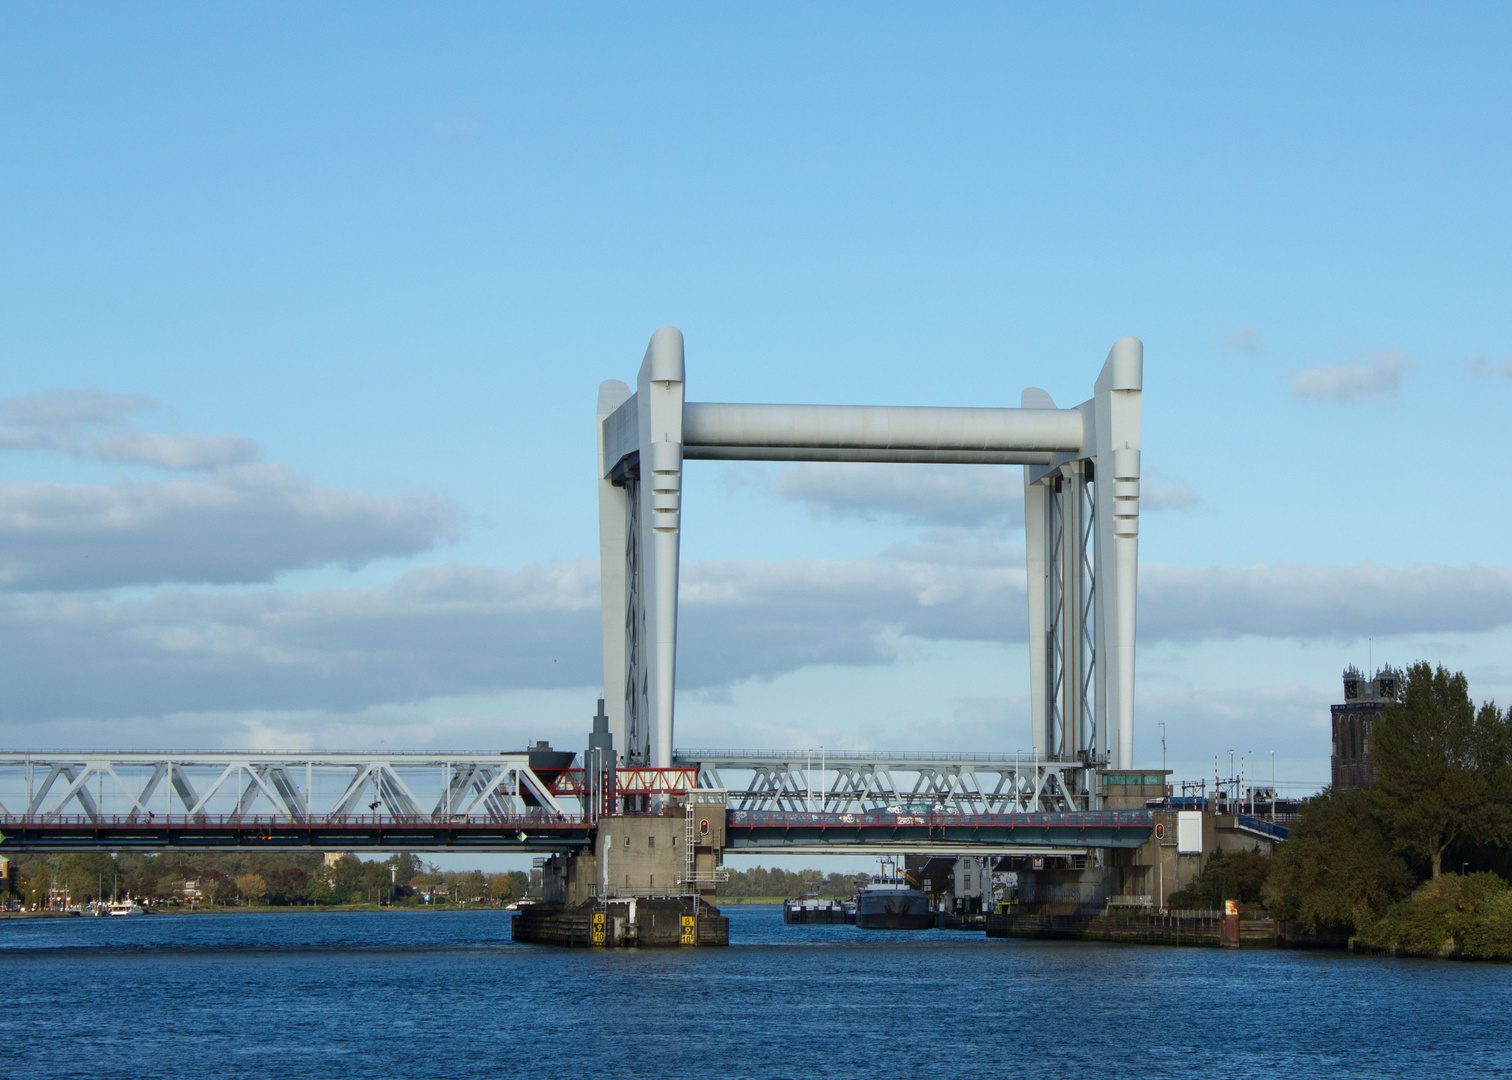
(126, 908)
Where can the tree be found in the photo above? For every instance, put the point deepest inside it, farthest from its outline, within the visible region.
(252, 886)
(1240, 876)
(519, 884)
(406, 866)
(1337, 870)
(500, 888)
(88, 875)
(1443, 770)
(215, 887)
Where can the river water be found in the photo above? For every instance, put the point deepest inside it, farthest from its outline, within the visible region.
(446, 994)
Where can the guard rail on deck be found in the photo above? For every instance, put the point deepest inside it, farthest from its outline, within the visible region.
(1260, 826)
(701, 755)
(1075, 819)
(944, 830)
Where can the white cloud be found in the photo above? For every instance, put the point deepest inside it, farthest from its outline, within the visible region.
(1244, 338)
(1285, 600)
(968, 495)
(1174, 496)
(948, 496)
(93, 424)
(1481, 365)
(448, 630)
(469, 630)
(1253, 721)
(237, 525)
(1379, 378)
(743, 619)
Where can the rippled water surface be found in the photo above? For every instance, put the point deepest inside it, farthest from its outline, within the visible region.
(447, 994)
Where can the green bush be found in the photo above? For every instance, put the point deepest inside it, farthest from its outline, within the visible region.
(1469, 916)
(1240, 876)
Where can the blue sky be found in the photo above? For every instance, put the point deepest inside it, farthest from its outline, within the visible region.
(303, 313)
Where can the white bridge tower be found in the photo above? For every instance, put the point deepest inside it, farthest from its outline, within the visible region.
(1081, 521)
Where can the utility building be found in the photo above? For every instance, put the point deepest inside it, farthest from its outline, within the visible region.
(1354, 724)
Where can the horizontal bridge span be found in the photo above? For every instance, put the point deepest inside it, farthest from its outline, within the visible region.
(738, 758)
(850, 783)
(420, 789)
(541, 831)
(537, 831)
(1009, 833)
(882, 427)
(901, 456)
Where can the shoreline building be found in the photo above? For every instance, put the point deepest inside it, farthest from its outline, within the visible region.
(1354, 724)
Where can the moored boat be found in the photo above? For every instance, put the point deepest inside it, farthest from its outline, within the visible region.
(810, 909)
(890, 902)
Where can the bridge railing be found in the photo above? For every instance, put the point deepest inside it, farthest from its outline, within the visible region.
(709, 756)
(535, 820)
(1098, 819)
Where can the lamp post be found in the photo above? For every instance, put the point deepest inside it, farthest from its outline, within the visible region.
(1273, 787)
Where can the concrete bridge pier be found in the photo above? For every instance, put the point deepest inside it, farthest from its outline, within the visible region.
(648, 880)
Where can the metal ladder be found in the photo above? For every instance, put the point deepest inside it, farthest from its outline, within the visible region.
(690, 857)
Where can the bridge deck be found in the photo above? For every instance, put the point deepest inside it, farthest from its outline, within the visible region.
(936, 830)
(744, 830)
(354, 832)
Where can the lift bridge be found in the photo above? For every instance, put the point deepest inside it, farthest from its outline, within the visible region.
(1081, 492)
(541, 800)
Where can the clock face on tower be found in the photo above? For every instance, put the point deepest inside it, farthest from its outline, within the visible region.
(1351, 690)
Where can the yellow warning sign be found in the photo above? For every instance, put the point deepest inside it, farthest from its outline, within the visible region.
(688, 930)
(598, 928)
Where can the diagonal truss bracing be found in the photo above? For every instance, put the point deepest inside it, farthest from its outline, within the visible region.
(810, 781)
(404, 788)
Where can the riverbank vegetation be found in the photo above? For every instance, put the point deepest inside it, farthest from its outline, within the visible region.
(761, 882)
(255, 879)
(248, 879)
(1417, 863)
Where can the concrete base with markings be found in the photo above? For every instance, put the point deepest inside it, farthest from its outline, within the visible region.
(671, 922)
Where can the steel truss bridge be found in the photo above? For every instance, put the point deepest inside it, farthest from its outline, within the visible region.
(793, 800)
(822, 782)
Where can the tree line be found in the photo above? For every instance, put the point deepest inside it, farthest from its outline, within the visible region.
(254, 879)
(760, 881)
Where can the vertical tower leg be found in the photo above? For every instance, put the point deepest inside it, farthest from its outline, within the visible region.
(1038, 563)
(633, 632)
(659, 391)
(1101, 492)
(1117, 424)
(1036, 496)
(613, 579)
(1055, 606)
(1069, 495)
